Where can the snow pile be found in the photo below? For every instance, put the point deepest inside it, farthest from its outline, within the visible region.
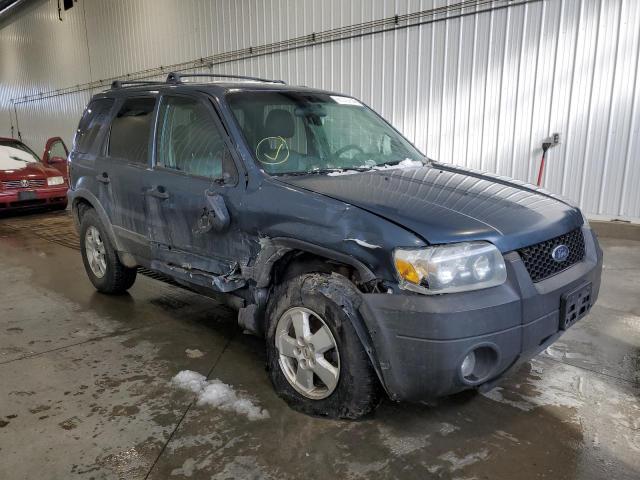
(406, 163)
(218, 395)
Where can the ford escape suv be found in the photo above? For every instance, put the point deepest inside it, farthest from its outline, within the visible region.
(367, 267)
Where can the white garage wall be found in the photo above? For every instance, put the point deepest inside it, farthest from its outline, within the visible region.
(481, 90)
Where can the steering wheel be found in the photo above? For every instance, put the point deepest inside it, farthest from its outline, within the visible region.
(347, 148)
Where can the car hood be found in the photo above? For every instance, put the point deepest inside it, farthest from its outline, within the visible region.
(444, 204)
(27, 170)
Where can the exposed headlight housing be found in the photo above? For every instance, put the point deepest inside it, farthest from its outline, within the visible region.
(457, 267)
(52, 181)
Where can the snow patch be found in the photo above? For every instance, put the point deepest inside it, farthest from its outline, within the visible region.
(194, 353)
(508, 436)
(447, 428)
(362, 243)
(461, 462)
(218, 395)
(404, 164)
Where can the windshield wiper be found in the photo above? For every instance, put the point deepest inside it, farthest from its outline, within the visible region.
(319, 171)
(19, 159)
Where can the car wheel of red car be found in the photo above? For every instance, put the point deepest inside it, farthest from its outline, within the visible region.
(316, 361)
(101, 261)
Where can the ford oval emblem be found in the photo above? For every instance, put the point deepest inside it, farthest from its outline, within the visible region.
(560, 253)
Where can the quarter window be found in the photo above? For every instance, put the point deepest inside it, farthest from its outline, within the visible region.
(93, 119)
(130, 130)
(190, 141)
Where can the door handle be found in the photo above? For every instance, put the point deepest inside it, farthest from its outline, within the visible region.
(158, 192)
(103, 177)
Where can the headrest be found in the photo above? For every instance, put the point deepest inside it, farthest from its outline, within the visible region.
(279, 123)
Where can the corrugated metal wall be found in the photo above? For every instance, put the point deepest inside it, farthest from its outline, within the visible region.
(481, 90)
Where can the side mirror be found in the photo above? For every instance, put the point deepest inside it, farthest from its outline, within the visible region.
(225, 179)
(215, 215)
(57, 161)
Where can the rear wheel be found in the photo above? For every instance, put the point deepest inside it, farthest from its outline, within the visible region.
(101, 261)
(315, 358)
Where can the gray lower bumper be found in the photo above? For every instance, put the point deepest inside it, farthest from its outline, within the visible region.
(420, 341)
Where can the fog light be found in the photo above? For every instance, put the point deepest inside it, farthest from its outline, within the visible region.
(478, 365)
(468, 365)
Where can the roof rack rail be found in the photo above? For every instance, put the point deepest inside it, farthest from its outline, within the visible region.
(174, 77)
(131, 83)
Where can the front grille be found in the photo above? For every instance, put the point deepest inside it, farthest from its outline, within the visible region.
(539, 262)
(12, 184)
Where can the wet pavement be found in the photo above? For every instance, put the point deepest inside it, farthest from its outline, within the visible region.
(86, 389)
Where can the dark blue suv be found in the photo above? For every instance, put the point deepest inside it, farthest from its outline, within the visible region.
(367, 267)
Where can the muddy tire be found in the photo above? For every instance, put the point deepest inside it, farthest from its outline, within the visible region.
(342, 382)
(100, 259)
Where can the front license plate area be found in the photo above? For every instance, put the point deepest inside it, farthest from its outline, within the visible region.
(27, 195)
(575, 305)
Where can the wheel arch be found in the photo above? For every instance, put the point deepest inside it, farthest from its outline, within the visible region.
(83, 199)
(283, 258)
(277, 255)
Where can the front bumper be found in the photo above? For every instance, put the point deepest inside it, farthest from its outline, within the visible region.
(42, 197)
(419, 341)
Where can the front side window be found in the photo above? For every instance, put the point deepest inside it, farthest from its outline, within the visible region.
(15, 155)
(57, 150)
(131, 129)
(189, 141)
(302, 132)
(95, 116)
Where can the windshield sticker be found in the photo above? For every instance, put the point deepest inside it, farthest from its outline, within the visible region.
(346, 101)
(272, 150)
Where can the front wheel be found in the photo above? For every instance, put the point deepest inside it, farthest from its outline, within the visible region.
(100, 259)
(315, 358)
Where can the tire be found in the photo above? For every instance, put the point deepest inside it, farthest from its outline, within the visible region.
(329, 301)
(116, 278)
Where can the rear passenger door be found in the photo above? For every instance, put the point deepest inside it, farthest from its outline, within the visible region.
(127, 163)
(194, 196)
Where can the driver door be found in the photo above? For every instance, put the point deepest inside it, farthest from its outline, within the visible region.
(193, 194)
(55, 155)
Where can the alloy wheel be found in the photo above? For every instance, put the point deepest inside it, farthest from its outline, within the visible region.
(308, 353)
(95, 251)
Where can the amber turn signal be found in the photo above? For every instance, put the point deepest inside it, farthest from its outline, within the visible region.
(407, 271)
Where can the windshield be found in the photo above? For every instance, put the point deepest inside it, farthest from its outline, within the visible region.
(15, 155)
(300, 133)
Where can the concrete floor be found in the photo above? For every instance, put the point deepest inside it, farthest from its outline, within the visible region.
(85, 389)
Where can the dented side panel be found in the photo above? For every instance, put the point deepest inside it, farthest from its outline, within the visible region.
(314, 219)
(185, 221)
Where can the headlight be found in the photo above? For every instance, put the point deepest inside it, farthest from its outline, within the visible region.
(51, 181)
(450, 268)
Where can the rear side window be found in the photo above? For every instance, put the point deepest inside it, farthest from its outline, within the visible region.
(130, 130)
(95, 117)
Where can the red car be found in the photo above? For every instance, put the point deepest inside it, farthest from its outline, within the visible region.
(28, 182)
